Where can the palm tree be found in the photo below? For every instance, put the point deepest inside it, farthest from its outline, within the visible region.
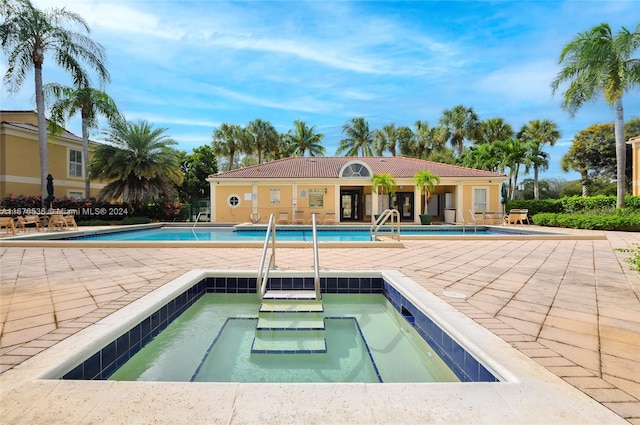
(426, 181)
(463, 124)
(264, 136)
(138, 163)
(597, 61)
(91, 103)
(495, 129)
(538, 133)
(359, 138)
(386, 139)
(387, 183)
(27, 35)
(304, 139)
(228, 141)
(513, 154)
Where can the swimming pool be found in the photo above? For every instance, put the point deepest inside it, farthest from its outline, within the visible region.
(300, 234)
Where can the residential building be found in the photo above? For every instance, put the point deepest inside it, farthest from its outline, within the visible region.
(635, 170)
(343, 186)
(20, 163)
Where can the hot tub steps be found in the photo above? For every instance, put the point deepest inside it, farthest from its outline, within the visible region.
(289, 342)
(290, 294)
(290, 326)
(290, 321)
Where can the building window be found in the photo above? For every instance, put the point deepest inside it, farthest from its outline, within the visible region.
(76, 195)
(356, 170)
(75, 163)
(234, 201)
(480, 199)
(316, 198)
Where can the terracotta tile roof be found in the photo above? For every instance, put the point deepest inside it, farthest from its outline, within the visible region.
(26, 126)
(329, 167)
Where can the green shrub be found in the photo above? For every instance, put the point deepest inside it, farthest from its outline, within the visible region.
(634, 260)
(135, 220)
(622, 221)
(536, 206)
(601, 203)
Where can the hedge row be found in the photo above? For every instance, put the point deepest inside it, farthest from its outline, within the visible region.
(623, 221)
(574, 204)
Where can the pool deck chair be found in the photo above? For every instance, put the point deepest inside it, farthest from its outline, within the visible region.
(57, 221)
(7, 223)
(23, 222)
(71, 219)
(283, 218)
(517, 216)
(330, 218)
(298, 217)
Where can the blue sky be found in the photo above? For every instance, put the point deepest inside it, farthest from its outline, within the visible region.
(189, 66)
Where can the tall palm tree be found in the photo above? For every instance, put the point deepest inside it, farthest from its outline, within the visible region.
(359, 138)
(263, 135)
(463, 124)
(495, 129)
(513, 154)
(91, 103)
(597, 61)
(539, 133)
(138, 163)
(386, 139)
(304, 139)
(228, 141)
(27, 35)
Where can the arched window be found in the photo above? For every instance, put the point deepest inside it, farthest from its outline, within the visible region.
(355, 169)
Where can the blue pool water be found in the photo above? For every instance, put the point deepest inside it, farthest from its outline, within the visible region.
(254, 235)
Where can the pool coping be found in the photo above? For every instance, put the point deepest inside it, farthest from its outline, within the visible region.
(528, 394)
(46, 239)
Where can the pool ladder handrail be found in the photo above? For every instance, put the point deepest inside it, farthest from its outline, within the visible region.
(263, 275)
(197, 218)
(472, 213)
(382, 219)
(316, 259)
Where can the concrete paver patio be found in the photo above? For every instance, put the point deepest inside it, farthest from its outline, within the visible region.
(573, 306)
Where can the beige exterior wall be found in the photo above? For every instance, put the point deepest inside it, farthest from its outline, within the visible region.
(20, 163)
(295, 195)
(635, 152)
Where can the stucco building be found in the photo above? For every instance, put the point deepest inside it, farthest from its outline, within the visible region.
(343, 186)
(20, 163)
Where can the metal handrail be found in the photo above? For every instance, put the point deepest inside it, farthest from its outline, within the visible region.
(263, 275)
(472, 213)
(197, 218)
(393, 213)
(316, 260)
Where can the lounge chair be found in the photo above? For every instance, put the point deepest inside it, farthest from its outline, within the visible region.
(7, 222)
(71, 219)
(57, 221)
(23, 222)
(298, 217)
(330, 218)
(283, 218)
(516, 216)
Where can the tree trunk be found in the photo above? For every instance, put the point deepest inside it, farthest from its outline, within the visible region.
(85, 158)
(536, 190)
(43, 147)
(621, 151)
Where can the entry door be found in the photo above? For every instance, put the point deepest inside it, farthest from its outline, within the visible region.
(349, 205)
(403, 202)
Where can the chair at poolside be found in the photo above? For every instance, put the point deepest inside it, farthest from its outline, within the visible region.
(57, 221)
(71, 219)
(283, 218)
(516, 216)
(7, 222)
(27, 220)
(298, 217)
(330, 218)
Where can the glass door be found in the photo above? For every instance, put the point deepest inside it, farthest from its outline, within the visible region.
(403, 202)
(349, 205)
